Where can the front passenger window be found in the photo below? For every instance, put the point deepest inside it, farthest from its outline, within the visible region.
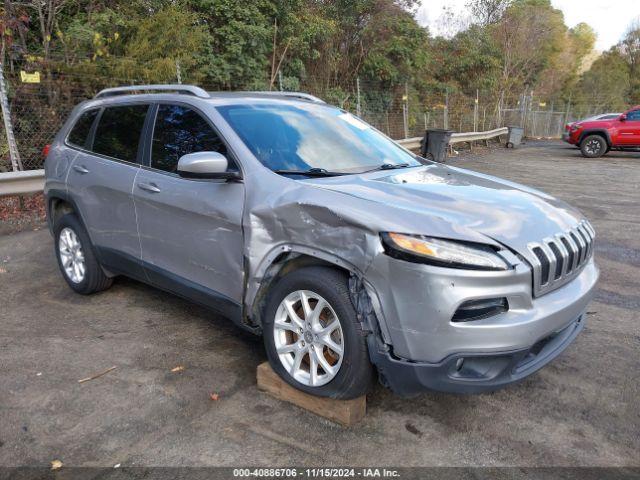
(178, 131)
(633, 116)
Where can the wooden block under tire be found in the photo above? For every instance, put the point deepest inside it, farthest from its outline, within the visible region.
(344, 412)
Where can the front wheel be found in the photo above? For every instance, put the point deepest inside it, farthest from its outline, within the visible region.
(312, 335)
(593, 146)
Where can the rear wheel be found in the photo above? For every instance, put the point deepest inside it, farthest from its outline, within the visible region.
(593, 146)
(76, 259)
(312, 336)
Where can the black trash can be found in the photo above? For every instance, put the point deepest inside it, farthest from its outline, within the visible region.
(435, 143)
(515, 136)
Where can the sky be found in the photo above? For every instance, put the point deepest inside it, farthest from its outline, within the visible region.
(609, 18)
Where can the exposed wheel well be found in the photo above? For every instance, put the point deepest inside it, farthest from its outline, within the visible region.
(57, 208)
(599, 133)
(281, 266)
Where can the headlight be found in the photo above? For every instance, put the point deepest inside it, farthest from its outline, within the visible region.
(444, 253)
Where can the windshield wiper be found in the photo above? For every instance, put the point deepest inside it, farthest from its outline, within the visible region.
(387, 166)
(312, 172)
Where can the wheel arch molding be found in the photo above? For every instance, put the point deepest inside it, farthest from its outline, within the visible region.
(602, 133)
(280, 261)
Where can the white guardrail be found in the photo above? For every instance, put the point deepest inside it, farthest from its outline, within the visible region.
(18, 183)
(414, 143)
(32, 181)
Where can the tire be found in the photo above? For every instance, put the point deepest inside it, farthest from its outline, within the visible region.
(509, 145)
(593, 146)
(72, 242)
(350, 374)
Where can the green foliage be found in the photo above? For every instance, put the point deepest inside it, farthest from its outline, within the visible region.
(240, 40)
(608, 80)
(160, 41)
(469, 61)
(322, 46)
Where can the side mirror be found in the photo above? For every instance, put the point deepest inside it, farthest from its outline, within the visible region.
(205, 165)
(623, 117)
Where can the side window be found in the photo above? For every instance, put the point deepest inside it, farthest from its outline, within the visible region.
(633, 116)
(80, 131)
(178, 131)
(118, 132)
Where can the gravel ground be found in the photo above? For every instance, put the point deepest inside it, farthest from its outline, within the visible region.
(581, 410)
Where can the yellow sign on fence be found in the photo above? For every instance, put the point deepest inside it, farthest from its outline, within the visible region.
(29, 77)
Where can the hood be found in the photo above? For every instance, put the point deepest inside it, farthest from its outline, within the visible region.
(506, 212)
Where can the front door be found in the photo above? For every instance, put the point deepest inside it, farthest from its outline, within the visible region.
(101, 180)
(629, 130)
(190, 230)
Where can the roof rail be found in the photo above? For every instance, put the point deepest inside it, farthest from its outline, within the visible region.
(302, 95)
(187, 89)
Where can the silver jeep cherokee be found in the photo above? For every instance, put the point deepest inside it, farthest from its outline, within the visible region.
(299, 221)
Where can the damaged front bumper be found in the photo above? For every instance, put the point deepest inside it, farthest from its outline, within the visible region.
(420, 347)
(472, 372)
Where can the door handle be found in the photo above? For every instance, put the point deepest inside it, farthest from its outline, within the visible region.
(149, 187)
(80, 169)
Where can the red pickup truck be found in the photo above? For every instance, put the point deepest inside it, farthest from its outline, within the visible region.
(597, 137)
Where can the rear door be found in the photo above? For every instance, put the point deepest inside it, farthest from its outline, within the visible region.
(629, 130)
(190, 230)
(100, 183)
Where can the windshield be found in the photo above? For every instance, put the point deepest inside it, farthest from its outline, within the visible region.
(301, 137)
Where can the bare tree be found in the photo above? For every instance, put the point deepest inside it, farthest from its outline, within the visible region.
(630, 46)
(46, 12)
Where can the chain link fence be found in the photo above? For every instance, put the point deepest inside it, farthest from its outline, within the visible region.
(38, 110)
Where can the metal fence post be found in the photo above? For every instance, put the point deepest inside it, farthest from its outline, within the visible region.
(475, 113)
(405, 107)
(445, 119)
(16, 163)
(178, 73)
(358, 111)
(566, 116)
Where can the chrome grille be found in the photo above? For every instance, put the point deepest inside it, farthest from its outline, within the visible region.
(558, 259)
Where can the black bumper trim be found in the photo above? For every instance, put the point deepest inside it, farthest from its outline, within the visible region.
(476, 372)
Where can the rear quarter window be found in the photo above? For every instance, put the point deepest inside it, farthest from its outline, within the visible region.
(79, 134)
(118, 132)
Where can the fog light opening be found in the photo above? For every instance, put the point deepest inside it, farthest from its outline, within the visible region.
(479, 309)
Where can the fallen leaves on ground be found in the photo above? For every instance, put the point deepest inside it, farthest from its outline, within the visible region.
(56, 464)
(214, 396)
(22, 208)
(179, 368)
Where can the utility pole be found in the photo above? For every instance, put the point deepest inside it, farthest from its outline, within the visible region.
(16, 163)
(358, 111)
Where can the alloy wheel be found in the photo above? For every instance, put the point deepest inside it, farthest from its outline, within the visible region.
(308, 338)
(592, 147)
(71, 255)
